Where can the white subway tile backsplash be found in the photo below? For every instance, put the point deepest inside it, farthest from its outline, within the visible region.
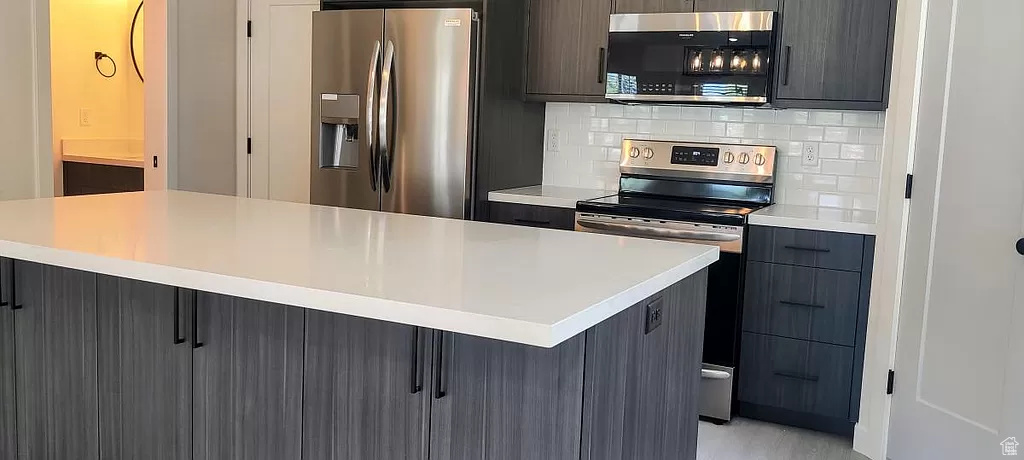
(848, 143)
(826, 118)
(807, 133)
(709, 128)
(841, 134)
(727, 115)
(695, 113)
(792, 117)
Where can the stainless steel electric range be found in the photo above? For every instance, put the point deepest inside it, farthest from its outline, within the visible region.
(696, 193)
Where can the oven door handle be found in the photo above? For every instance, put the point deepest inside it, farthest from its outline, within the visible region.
(640, 230)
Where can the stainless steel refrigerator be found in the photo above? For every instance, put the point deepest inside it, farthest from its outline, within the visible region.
(393, 110)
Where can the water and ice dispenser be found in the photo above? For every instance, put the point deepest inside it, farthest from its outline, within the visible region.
(339, 131)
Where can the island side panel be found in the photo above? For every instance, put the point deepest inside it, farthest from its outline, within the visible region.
(641, 393)
(506, 401)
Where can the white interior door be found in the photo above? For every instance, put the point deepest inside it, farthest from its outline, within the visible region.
(959, 389)
(279, 95)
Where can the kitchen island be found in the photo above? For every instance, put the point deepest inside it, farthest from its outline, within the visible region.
(179, 325)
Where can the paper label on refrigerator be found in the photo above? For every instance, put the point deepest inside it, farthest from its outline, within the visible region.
(453, 22)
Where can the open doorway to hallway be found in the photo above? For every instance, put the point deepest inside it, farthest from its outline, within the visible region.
(97, 85)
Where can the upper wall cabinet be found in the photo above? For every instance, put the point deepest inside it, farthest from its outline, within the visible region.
(835, 54)
(652, 6)
(568, 41)
(735, 5)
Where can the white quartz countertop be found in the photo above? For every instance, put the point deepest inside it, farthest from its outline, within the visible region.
(547, 195)
(519, 284)
(815, 218)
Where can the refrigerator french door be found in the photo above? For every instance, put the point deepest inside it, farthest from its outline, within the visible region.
(393, 110)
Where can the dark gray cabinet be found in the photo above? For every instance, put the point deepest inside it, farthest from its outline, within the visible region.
(533, 216)
(247, 382)
(500, 400)
(652, 6)
(365, 389)
(8, 401)
(636, 401)
(55, 342)
(146, 371)
(805, 322)
(567, 42)
(735, 5)
(835, 53)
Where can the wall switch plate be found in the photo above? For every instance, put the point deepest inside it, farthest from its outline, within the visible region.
(552, 140)
(809, 157)
(84, 117)
(654, 316)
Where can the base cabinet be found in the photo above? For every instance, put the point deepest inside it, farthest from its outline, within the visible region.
(500, 400)
(247, 379)
(55, 342)
(365, 391)
(8, 401)
(98, 367)
(145, 372)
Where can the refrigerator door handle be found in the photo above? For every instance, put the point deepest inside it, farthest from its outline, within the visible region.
(371, 95)
(386, 77)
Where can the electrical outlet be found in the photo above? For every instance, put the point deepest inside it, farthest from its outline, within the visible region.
(84, 117)
(810, 155)
(552, 140)
(654, 316)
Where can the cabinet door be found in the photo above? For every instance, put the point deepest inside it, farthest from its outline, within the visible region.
(55, 354)
(639, 397)
(359, 395)
(834, 50)
(735, 5)
(8, 401)
(653, 6)
(247, 380)
(146, 369)
(568, 41)
(499, 400)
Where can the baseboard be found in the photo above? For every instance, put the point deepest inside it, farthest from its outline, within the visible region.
(833, 425)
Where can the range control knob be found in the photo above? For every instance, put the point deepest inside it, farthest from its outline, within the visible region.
(729, 157)
(634, 152)
(759, 159)
(648, 153)
(744, 158)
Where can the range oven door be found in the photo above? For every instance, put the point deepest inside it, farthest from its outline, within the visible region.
(691, 57)
(724, 296)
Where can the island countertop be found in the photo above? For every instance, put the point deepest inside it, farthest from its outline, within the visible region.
(532, 286)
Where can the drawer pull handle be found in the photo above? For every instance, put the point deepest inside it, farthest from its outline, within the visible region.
(532, 222)
(807, 248)
(794, 375)
(800, 304)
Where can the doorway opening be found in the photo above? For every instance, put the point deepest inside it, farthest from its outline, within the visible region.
(97, 85)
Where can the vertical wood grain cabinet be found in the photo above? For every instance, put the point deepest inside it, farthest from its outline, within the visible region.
(98, 367)
(830, 53)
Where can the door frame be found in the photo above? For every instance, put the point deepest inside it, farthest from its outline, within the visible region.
(871, 433)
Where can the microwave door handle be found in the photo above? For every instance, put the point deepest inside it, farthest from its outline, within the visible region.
(639, 230)
(386, 77)
(371, 95)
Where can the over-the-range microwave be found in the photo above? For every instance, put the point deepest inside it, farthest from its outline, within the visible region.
(722, 58)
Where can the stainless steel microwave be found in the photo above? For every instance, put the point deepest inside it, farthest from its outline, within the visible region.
(723, 58)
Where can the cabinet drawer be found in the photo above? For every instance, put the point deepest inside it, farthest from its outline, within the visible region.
(797, 375)
(810, 248)
(802, 302)
(533, 216)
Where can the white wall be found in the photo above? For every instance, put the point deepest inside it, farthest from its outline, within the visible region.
(848, 144)
(25, 159)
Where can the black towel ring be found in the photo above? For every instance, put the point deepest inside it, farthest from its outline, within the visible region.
(99, 57)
